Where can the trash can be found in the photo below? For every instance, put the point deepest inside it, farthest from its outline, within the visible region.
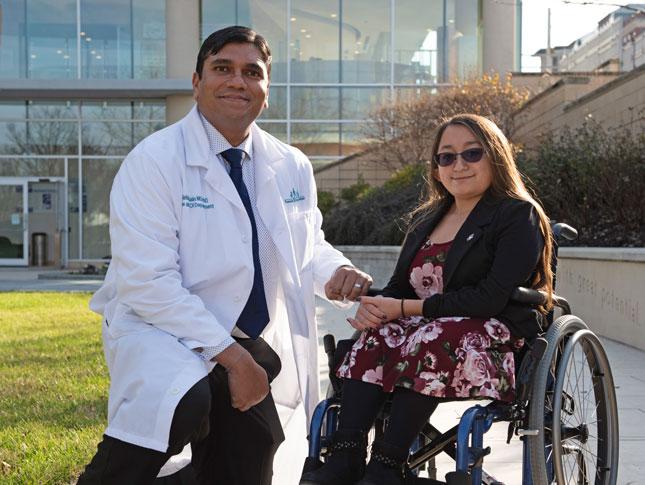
(39, 252)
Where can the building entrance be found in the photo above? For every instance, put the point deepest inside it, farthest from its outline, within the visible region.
(32, 210)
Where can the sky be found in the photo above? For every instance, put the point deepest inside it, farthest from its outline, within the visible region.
(568, 23)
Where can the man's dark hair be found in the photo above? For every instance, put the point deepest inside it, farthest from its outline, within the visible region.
(232, 35)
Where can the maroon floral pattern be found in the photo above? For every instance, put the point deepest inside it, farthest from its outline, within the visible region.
(451, 357)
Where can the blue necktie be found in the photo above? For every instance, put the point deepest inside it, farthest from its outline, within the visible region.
(255, 315)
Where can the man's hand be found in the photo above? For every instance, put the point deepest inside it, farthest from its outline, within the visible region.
(347, 282)
(247, 381)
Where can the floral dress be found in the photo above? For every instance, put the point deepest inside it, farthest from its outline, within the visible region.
(448, 357)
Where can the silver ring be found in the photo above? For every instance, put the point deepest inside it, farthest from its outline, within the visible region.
(358, 285)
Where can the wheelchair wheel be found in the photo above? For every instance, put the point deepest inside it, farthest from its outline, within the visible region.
(573, 409)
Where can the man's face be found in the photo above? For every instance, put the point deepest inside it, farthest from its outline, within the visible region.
(233, 88)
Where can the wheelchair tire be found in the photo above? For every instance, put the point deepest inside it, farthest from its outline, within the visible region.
(573, 382)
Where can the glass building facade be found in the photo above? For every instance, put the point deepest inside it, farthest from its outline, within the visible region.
(83, 81)
(336, 61)
(83, 39)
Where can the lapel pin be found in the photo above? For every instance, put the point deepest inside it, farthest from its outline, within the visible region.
(470, 237)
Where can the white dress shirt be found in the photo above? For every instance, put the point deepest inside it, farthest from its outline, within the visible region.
(266, 245)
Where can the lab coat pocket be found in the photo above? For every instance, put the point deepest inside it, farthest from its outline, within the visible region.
(120, 327)
(301, 225)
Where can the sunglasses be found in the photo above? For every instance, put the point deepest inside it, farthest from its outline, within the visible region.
(472, 155)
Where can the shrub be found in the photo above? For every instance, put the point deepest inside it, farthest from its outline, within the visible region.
(593, 179)
(355, 191)
(590, 178)
(376, 218)
(403, 132)
(326, 201)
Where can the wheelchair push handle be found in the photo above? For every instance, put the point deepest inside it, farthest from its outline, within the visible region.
(564, 231)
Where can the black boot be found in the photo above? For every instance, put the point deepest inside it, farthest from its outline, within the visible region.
(385, 466)
(345, 465)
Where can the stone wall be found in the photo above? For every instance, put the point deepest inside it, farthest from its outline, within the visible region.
(614, 102)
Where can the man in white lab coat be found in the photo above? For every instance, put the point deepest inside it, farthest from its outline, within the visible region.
(217, 253)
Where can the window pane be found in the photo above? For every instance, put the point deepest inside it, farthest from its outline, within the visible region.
(141, 130)
(53, 137)
(38, 138)
(107, 138)
(359, 103)
(12, 39)
(217, 14)
(48, 110)
(366, 41)
(32, 167)
(51, 39)
(279, 130)
(149, 110)
(416, 40)
(13, 137)
(315, 41)
(410, 94)
(13, 110)
(106, 39)
(277, 109)
(319, 139)
(336, 103)
(149, 39)
(353, 137)
(267, 17)
(73, 205)
(107, 110)
(96, 213)
(315, 103)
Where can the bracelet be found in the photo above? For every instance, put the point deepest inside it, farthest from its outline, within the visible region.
(402, 309)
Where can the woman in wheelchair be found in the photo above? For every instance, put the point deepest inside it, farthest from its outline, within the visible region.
(444, 328)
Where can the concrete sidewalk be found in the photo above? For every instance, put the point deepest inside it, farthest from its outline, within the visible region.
(505, 461)
(26, 279)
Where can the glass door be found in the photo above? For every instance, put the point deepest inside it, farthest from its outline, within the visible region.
(14, 240)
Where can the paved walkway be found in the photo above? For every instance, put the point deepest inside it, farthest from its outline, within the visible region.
(27, 279)
(505, 462)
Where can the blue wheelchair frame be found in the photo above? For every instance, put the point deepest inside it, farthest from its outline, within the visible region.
(468, 436)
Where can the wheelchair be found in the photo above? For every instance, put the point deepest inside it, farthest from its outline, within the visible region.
(565, 410)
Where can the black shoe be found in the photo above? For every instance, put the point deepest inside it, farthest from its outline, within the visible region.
(346, 463)
(385, 466)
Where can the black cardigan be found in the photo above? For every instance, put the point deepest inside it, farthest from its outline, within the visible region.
(496, 249)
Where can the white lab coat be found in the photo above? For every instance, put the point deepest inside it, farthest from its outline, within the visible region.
(182, 270)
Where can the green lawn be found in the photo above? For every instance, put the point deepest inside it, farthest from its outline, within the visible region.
(53, 387)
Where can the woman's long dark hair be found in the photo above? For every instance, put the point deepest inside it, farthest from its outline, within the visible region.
(507, 182)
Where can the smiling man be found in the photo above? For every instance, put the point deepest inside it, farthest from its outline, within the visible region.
(217, 253)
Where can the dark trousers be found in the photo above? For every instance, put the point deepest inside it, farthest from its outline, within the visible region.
(229, 447)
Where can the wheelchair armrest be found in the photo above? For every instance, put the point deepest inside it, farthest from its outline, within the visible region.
(528, 296)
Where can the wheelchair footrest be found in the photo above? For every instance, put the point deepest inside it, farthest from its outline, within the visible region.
(478, 455)
(412, 480)
(311, 463)
(458, 478)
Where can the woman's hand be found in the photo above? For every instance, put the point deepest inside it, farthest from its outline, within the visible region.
(375, 311)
